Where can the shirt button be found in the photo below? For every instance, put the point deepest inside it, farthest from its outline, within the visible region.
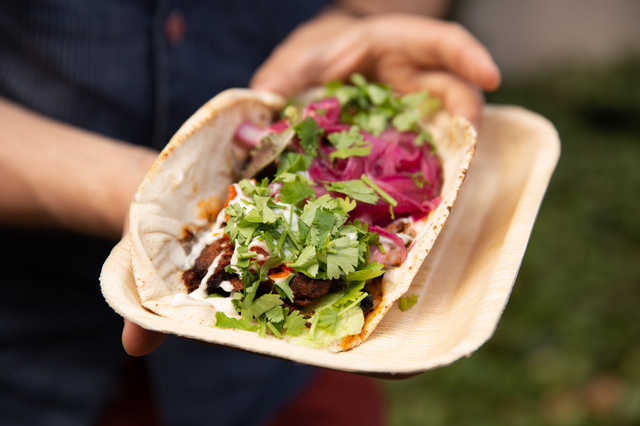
(175, 27)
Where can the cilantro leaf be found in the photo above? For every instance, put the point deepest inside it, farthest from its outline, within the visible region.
(296, 191)
(356, 189)
(282, 287)
(407, 302)
(346, 138)
(268, 215)
(324, 223)
(345, 257)
(263, 303)
(307, 262)
(294, 323)
(275, 314)
(224, 321)
(348, 144)
(372, 270)
(308, 133)
(385, 196)
(413, 100)
(407, 120)
(328, 318)
(291, 162)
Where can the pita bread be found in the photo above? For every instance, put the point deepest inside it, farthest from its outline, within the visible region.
(190, 180)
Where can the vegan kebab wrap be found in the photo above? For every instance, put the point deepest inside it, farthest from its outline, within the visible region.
(302, 221)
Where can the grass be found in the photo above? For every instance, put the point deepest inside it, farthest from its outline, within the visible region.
(567, 349)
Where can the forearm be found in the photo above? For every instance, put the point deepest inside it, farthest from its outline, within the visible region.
(53, 174)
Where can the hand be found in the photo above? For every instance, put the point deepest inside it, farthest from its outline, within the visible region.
(138, 341)
(408, 52)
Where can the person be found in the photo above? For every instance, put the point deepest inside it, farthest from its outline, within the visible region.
(89, 92)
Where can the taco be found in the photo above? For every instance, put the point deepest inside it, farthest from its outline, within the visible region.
(316, 234)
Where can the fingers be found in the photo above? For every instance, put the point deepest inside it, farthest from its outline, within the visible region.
(408, 52)
(434, 44)
(139, 342)
(458, 96)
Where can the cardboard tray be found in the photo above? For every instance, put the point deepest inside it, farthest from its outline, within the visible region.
(463, 285)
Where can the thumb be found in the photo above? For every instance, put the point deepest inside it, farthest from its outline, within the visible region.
(137, 341)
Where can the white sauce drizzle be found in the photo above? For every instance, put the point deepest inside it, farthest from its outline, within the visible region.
(226, 286)
(210, 271)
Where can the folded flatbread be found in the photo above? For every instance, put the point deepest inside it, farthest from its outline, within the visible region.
(188, 185)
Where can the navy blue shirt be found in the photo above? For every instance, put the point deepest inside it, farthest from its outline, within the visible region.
(134, 70)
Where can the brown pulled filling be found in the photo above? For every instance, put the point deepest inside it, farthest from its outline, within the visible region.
(304, 288)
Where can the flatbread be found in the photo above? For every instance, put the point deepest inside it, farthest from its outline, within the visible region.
(191, 178)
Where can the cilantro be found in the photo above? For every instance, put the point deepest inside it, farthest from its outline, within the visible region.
(283, 289)
(344, 257)
(262, 324)
(419, 179)
(307, 263)
(377, 93)
(407, 302)
(294, 323)
(247, 187)
(354, 303)
(323, 222)
(291, 234)
(374, 121)
(268, 265)
(274, 329)
(356, 189)
(224, 321)
(406, 120)
(371, 106)
(290, 112)
(267, 237)
(308, 213)
(295, 191)
(249, 295)
(308, 133)
(268, 151)
(327, 318)
(268, 215)
(345, 206)
(386, 197)
(262, 304)
(291, 162)
(372, 270)
(414, 100)
(349, 144)
(275, 314)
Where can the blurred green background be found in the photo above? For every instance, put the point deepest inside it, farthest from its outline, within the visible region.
(567, 349)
